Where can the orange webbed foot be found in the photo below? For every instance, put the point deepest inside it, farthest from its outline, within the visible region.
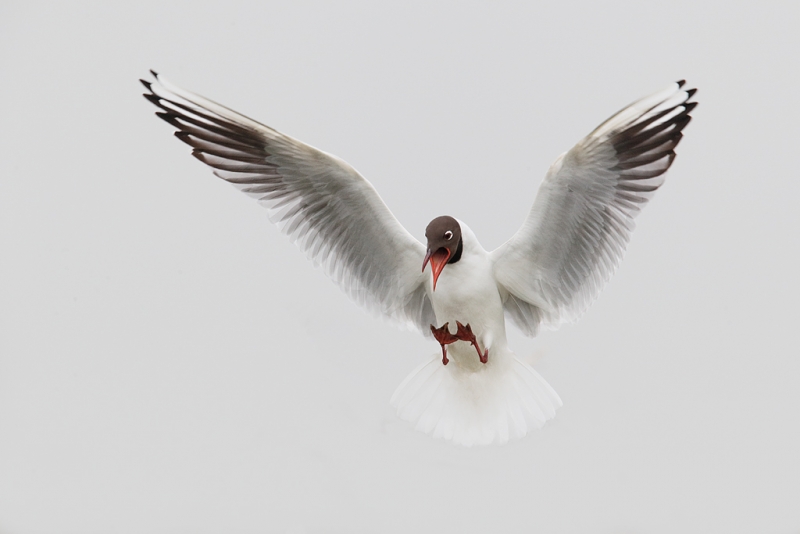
(464, 333)
(444, 337)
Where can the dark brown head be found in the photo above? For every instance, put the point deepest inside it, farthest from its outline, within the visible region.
(444, 244)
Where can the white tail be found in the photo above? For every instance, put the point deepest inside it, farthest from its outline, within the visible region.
(499, 401)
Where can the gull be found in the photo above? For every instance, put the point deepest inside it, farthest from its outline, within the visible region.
(475, 391)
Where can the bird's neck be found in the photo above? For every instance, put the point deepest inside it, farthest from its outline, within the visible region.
(459, 250)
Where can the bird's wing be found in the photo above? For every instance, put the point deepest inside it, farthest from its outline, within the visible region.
(577, 230)
(318, 200)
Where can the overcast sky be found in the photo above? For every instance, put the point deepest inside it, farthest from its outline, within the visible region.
(169, 362)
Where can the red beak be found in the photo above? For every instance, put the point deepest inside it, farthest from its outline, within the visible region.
(438, 260)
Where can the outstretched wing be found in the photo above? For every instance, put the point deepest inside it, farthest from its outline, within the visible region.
(576, 232)
(318, 200)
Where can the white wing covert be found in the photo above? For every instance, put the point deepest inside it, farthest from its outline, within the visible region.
(576, 232)
(324, 205)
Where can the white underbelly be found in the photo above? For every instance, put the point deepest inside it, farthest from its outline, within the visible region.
(473, 300)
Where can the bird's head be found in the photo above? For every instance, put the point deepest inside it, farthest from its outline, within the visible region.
(444, 244)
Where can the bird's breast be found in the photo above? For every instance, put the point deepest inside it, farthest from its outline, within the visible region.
(467, 292)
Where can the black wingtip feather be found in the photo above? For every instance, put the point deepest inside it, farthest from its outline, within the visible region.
(681, 83)
(691, 92)
(154, 73)
(147, 84)
(169, 118)
(154, 99)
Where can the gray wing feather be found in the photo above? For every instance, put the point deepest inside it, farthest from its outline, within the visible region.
(327, 208)
(576, 232)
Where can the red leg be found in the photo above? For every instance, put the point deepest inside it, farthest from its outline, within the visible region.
(444, 337)
(465, 333)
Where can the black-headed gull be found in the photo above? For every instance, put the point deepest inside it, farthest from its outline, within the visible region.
(476, 391)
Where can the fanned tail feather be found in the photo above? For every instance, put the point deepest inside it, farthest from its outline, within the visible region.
(500, 401)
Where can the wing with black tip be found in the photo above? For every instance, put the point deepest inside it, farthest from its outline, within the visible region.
(318, 200)
(576, 232)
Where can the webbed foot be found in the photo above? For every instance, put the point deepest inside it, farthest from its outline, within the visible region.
(464, 333)
(444, 337)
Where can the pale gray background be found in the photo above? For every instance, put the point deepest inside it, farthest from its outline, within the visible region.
(171, 363)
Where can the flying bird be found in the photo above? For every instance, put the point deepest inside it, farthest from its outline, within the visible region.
(474, 391)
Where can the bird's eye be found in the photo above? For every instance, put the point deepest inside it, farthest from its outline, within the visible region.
(448, 235)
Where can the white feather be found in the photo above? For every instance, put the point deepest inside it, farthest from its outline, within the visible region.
(494, 403)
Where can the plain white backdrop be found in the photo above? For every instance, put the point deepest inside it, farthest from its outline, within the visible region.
(169, 362)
